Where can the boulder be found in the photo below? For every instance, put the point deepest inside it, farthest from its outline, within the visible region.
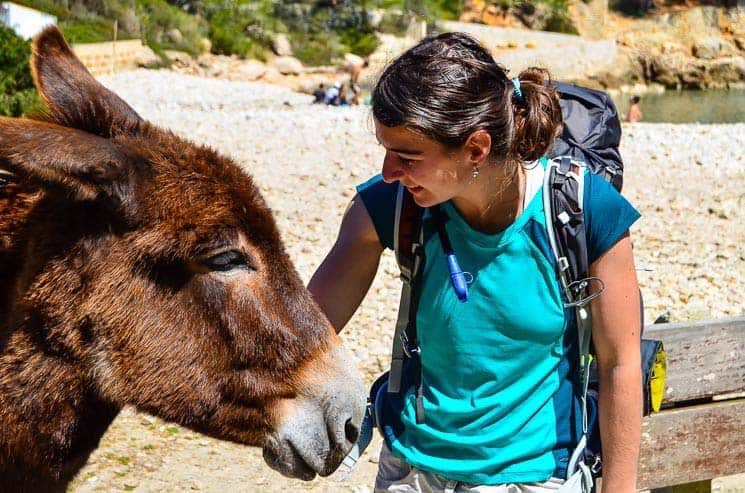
(727, 72)
(272, 75)
(694, 76)
(180, 57)
(147, 58)
(534, 15)
(680, 72)
(216, 71)
(665, 70)
(711, 47)
(375, 17)
(206, 60)
(129, 21)
(281, 45)
(175, 36)
(287, 65)
(206, 45)
(589, 17)
(692, 22)
(626, 69)
(249, 70)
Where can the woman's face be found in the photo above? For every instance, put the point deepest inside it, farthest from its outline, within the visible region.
(432, 172)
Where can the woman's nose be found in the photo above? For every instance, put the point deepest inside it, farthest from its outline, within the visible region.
(392, 170)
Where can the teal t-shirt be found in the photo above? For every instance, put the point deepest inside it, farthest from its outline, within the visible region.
(498, 370)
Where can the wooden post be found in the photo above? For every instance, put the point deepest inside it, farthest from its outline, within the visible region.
(113, 47)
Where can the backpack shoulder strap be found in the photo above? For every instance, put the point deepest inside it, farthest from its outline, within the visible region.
(408, 246)
(563, 193)
(406, 230)
(563, 190)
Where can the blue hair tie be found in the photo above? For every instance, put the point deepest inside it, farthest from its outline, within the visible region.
(518, 91)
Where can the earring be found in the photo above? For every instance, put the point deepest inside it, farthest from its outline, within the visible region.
(475, 172)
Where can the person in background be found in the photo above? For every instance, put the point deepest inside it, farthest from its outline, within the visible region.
(635, 113)
(342, 98)
(498, 372)
(319, 94)
(332, 95)
(354, 75)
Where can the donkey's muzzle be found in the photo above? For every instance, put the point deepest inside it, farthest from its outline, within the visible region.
(321, 425)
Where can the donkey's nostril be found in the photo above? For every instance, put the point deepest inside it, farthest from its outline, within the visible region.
(351, 431)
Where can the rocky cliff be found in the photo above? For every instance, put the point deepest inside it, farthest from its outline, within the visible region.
(674, 44)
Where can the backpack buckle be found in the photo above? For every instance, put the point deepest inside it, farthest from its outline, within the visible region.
(409, 350)
(595, 464)
(579, 294)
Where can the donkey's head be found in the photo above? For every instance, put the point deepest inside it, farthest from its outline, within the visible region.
(155, 265)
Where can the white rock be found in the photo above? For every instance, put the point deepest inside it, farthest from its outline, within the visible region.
(287, 65)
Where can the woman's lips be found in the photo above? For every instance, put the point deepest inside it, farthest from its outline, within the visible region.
(415, 189)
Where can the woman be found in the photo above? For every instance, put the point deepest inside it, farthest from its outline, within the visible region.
(498, 371)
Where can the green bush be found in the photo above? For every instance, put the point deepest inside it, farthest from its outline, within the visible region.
(359, 43)
(89, 29)
(429, 10)
(558, 20)
(17, 93)
(321, 33)
(394, 22)
(92, 21)
(561, 23)
(316, 50)
(158, 17)
(240, 28)
(22, 103)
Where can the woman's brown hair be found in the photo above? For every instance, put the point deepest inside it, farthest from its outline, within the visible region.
(448, 86)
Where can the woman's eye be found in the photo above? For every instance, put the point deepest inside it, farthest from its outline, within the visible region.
(226, 261)
(406, 162)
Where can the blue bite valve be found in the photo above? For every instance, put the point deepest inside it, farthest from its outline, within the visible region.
(458, 278)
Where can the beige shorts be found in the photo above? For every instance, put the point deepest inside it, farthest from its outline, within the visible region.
(398, 476)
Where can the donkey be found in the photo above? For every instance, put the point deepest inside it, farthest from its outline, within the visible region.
(137, 268)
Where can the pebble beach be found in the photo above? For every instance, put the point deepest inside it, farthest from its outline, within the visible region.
(687, 180)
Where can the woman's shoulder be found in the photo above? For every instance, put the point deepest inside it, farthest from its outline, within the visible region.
(608, 215)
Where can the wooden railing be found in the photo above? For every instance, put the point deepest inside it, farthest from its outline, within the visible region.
(700, 433)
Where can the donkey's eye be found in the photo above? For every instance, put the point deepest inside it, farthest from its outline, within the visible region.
(225, 261)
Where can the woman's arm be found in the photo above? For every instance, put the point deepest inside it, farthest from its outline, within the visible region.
(345, 275)
(616, 334)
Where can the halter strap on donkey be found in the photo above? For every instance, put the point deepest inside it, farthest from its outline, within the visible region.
(590, 139)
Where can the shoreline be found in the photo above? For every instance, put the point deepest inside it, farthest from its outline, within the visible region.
(305, 81)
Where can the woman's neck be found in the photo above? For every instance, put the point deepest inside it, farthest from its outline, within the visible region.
(493, 200)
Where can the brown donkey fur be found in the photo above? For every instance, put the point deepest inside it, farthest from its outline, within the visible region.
(139, 268)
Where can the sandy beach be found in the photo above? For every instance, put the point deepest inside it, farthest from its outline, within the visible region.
(688, 181)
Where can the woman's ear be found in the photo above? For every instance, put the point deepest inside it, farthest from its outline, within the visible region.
(478, 147)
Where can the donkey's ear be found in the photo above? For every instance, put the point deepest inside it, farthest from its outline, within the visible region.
(85, 164)
(71, 94)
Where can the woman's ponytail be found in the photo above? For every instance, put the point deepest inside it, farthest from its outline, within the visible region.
(536, 114)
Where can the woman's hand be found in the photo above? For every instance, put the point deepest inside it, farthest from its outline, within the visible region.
(345, 275)
(616, 334)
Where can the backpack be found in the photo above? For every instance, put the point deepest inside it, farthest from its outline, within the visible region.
(590, 138)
